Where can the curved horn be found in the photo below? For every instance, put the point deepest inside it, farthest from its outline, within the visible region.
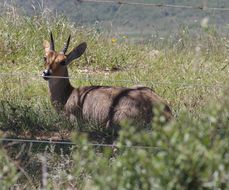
(52, 47)
(66, 45)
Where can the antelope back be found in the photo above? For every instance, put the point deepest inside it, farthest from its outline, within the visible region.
(108, 106)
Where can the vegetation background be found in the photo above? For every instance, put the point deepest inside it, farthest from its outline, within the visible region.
(136, 21)
(181, 53)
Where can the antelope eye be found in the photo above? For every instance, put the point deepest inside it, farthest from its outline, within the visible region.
(45, 59)
(62, 62)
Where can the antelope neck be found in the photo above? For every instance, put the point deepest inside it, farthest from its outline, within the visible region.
(60, 90)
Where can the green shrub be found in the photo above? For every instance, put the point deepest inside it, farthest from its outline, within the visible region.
(8, 172)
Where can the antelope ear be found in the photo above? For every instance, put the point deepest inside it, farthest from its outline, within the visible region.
(46, 46)
(76, 52)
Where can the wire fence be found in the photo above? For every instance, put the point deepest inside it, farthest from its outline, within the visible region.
(77, 145)
(91, 79)
(203, 7)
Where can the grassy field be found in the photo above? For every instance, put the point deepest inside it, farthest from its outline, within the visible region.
(136, 21)
(191, 152)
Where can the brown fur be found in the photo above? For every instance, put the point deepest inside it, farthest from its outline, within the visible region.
(108, 106)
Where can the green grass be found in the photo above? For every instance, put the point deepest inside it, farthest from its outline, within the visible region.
(191, 73)
(201, 61)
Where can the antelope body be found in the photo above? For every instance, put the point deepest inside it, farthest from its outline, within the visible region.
(105, 106)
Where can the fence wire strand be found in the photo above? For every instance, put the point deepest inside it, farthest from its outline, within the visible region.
(202, 7)
(74, 144)
(91, 79)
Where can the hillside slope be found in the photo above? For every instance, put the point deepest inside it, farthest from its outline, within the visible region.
(133, 19)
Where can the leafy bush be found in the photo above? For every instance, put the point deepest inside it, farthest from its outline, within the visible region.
(8, 172)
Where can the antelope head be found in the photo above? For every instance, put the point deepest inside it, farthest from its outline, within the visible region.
(55, 63)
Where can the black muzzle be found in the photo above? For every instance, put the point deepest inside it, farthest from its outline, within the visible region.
(46, 74)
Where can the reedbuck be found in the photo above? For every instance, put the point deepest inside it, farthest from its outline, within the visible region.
(105, 106)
